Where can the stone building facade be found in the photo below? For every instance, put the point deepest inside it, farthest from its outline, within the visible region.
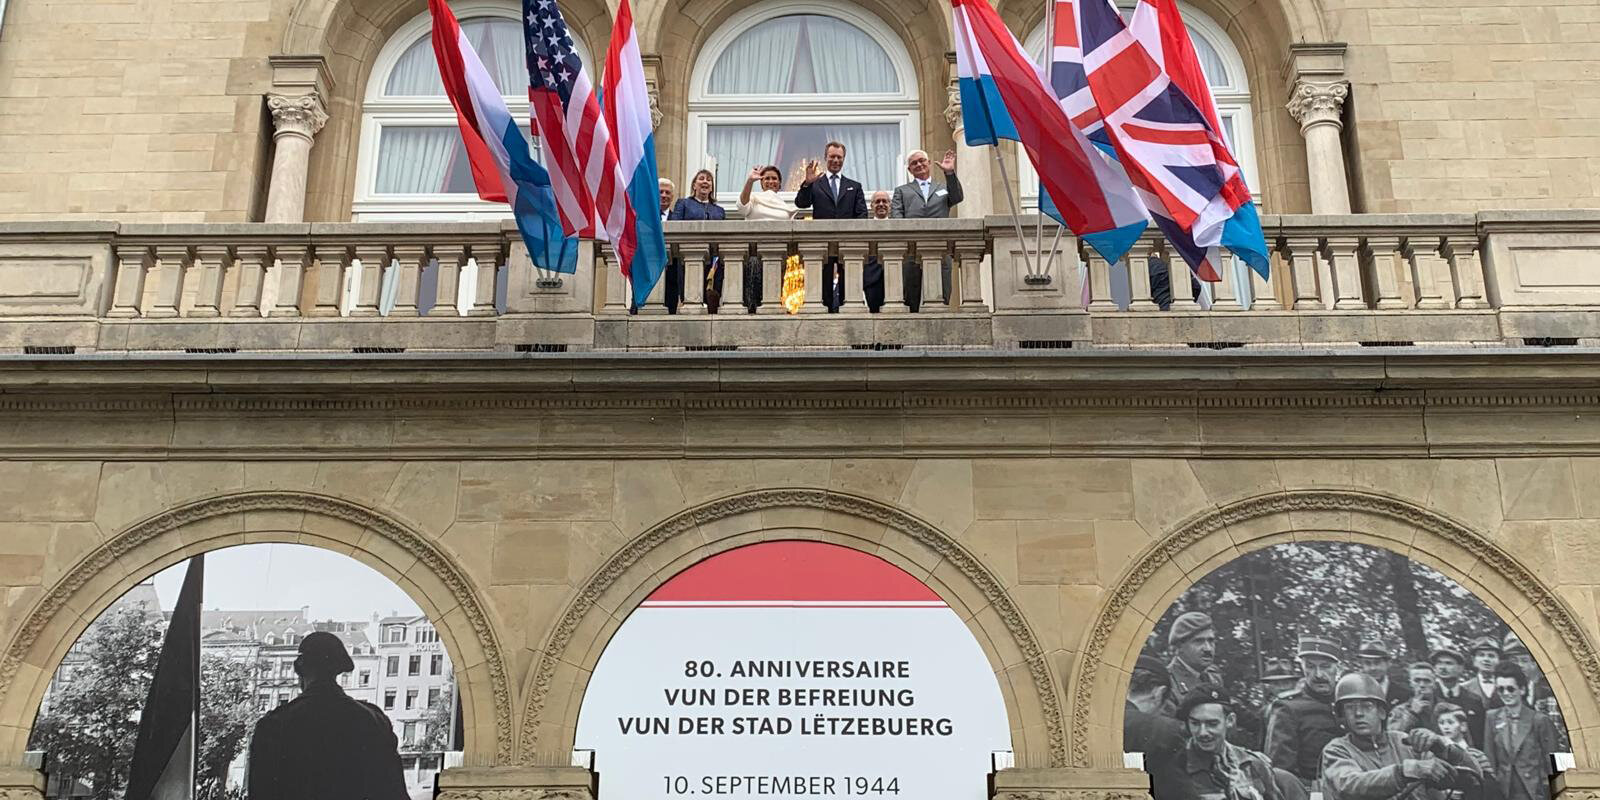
(194, 354)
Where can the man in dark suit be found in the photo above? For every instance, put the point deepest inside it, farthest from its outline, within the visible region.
(830, 195)
(1448, 665)
(924, 199)
(1518, 740)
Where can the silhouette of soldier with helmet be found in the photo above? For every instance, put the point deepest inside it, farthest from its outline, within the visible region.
(324, 745)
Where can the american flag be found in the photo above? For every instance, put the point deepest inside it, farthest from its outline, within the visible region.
(583, 164)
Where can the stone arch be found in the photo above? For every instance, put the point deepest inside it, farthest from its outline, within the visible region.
(555, 688)
(1127, 614)
(433, 578)
(349, 34)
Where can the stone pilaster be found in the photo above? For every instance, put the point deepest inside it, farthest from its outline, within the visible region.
(1576, 785)
(21, 783)
(1317, 91)
(299, 84)
(516, 783)
(1071, 784)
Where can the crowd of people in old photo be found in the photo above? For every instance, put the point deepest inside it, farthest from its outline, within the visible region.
(1460, 723)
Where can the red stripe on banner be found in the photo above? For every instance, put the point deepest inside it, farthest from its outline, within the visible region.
(1192, 136)
(793, 571)
(1118, 81)
(447, 41)
(572, 196)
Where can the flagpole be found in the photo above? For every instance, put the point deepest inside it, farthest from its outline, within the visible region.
(1016, 214)
(1049, 79)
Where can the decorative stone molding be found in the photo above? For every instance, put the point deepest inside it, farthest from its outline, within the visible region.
(513, 794)
(298, 115)
(556, 647)
(653, 91)
(1214, 522)
(1317, 103)
(442, 566)
(952, 108)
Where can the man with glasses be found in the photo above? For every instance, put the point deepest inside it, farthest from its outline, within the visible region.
(1301, 723)
(1519, 740)
(1372, 763)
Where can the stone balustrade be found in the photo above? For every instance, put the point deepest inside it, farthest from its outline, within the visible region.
(1492, 278)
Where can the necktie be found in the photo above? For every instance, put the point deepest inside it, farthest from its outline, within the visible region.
(924, 185)
(833, 184)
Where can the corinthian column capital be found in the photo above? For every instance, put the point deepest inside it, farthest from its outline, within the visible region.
(1318, 102)
(952, 108)
(299, 115)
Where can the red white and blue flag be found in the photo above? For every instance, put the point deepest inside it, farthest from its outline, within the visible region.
(1004, 96)
(1171, 149)
(503, 170)
(588, 182)
(642, 250)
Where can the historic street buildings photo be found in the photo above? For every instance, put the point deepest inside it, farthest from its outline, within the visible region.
(941, 508)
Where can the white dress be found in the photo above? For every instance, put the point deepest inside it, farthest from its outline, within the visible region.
(766, 204)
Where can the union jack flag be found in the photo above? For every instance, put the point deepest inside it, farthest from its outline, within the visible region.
(1165, 142)
(584, 173)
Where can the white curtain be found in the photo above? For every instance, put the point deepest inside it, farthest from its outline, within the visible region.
(872, 152)
(760, 60)
(415, 160)
(846, 60)
(498, 42)
(1211, 63)
(737, 148)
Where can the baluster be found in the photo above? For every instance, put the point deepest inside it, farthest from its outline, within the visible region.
(656, 301)
(1264, 295)
(210, 262)
(485, 258)
(814, 254)
(933, 296)
(1309, 285)
(451, 257)
(894, 278)
(732, 279)
(853, 254)
(968, 268)
(174, 261)
(773, 254)
(252, 274)
(1181, 280)
(291, 280)
(409, 259)
(1225, 294)
(328, 270)
(1099, 280)
(1342, 254)
(619, 295)
(1387, 264)
(133, 262)
(1429, 271)
(1466, 270)
(1138, 259)
(373, 258)
(693, 253)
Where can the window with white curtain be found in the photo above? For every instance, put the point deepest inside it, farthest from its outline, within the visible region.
(1224, 71)
(412, 163)
(780, 80)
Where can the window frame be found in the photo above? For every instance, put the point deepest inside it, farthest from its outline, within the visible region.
(705, 110)
(1233, 101)
(380, 110)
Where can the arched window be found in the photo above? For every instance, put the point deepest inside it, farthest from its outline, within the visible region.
(1224, 70)
(780, 80)
(412, 162)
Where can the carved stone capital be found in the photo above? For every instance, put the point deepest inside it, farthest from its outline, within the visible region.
(299, 115)
(1318, 102)
(952, 109)
(653, 91)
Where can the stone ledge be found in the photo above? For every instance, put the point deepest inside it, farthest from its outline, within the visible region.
(1073, 783)
(516, 783)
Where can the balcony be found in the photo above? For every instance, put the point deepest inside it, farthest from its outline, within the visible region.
(1492, 279)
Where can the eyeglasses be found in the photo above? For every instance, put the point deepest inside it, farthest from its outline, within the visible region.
(1508, 689)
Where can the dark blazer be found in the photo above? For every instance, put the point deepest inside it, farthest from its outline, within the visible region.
(324, 745)
(1527, 759)
(1471, 704)
(850, 204)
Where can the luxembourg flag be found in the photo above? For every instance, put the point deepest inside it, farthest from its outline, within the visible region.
(502, 169)
(642, 250)
(1004, 96)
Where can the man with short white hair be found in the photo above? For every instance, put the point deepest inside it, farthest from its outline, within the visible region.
(924, 199)
(668, 192)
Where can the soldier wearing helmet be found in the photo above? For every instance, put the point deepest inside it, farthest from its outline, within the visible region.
(1301, 722)
(1370, 762)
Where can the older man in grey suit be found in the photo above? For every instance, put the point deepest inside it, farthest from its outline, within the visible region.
(922, 198)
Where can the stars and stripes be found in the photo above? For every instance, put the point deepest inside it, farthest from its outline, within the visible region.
(589, 186)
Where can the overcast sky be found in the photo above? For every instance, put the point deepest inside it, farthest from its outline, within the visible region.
(288, 576)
